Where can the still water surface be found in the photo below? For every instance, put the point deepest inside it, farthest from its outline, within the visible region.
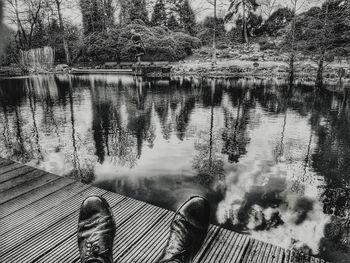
(274, 162)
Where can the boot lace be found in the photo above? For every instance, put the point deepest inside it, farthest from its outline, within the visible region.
(93, 250)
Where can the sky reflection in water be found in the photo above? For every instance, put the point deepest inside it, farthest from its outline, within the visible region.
(273, 162)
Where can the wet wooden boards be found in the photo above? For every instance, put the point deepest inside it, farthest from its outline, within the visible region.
(39, 214)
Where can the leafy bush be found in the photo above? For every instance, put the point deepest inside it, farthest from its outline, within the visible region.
(277, 21)
(160, 44)
(265, 45)
(206, 30)
(8, 47)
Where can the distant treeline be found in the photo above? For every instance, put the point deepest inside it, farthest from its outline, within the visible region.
(170, 28)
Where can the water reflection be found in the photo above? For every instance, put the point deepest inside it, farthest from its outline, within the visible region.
(273, 161)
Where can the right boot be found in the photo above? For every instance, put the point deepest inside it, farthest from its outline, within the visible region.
(188, 230)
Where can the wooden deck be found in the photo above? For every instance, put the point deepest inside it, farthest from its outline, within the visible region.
(38, 223)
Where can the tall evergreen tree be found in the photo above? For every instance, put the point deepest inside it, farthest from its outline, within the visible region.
(97, 15)
(62, 31)
(279, 19)
(245, 6)
(187, 18)
(159, 17)
(124, 11)
(172, 23)
(138, 10)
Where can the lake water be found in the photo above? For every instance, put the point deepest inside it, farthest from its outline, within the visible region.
(273, 161)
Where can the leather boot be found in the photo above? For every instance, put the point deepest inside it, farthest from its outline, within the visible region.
(188, 230)
(96, 231)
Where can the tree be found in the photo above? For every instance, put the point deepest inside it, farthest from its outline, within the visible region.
(214, 31)
(268, 7)
(253, 24)
(39, 34)
(97, 15)
(138, 10)
(323, 44)
(72, 35)
(91, 16)
(245, 6)
(63, 35)
(321, 34)
(172, 23)
(206, 33)
(25, 14)
(159, 17)
(291, 35)
(187, 18)
(277, 21)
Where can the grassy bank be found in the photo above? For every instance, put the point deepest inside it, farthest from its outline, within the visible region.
(238, 63)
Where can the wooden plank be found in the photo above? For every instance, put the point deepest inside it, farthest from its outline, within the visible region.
(255, 252)
(234, 247)
(53, 235)
(8, 168)
(155, 239)
(11, 240)
(34, 209)
(20, 180)
(271, 254)
(268, 252)
(222, 248)
(7, 195)
(208, 243)
(68, 251)
(157, 246)
(287, 255)
(241, 248)
(252, 245)
(20, 171)
(136, 228)
(5, 162)
(227, 247)
(262, 253)
(278, 255)
(32, 196)
(215, 250)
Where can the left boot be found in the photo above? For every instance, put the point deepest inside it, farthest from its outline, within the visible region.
(96, 231)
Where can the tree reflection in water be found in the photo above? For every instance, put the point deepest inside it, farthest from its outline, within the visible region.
(273, 161)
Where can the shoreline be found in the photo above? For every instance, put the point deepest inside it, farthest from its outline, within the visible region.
(227, 68)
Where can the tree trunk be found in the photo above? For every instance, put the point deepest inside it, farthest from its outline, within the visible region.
(291, 76)
(292, 56)
(21, 33)
(319, 78)
(244, 20)
(65, 43)
(214, 36)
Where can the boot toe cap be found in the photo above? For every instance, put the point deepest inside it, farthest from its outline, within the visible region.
(93, 205)
(197, 211)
